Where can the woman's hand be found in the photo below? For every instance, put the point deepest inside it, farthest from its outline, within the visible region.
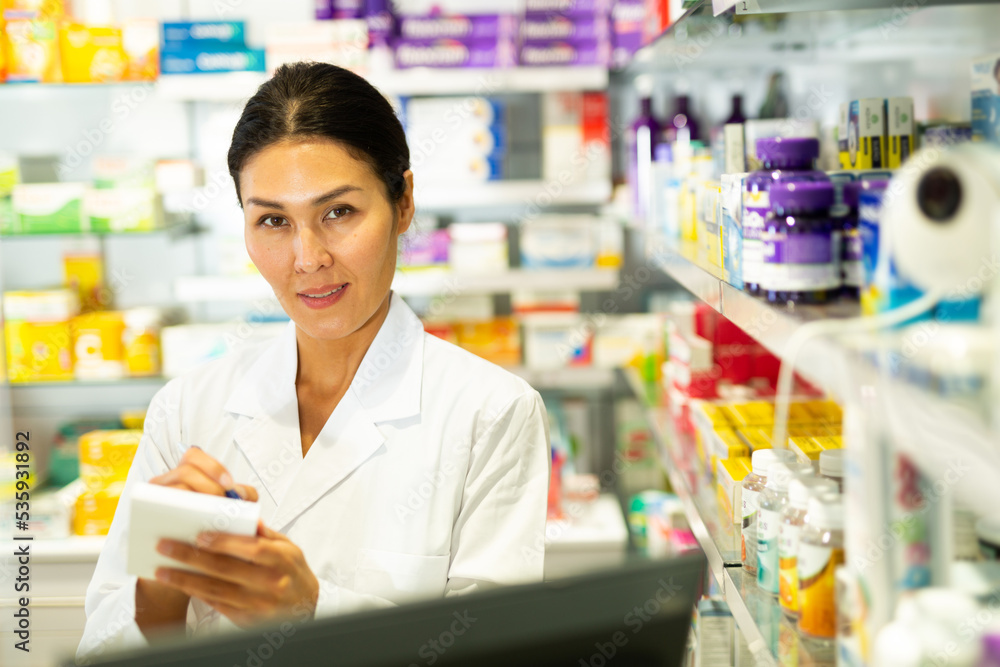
(158, 607)
(249, 580)
(199, 472)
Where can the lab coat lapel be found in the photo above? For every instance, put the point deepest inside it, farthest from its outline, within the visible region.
(268, 431)
(386, 388)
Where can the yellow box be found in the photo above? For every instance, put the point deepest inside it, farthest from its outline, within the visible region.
(496, 340)
(805, 448)
(726, 445)
(755, 437)
(900, 130)
(799, 413)
(729, 475)
(83, 272)
(91, 54)
(829, 442)
(32, 50)
(753, 413)
(97, 345)
(141, 42)
(826, 411)
(105, 458)
(93, 512)
(38, 351)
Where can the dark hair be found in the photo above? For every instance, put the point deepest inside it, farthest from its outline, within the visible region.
(305, 100)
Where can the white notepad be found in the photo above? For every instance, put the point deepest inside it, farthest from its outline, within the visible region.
(160, 511)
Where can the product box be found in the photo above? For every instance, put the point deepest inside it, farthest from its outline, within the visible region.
(97, 345)
(731, 207)
(569, 7)
(627, 18)
(576, 145)
(38, 337)
(91, 54)
(714, 627)
(558, 241)
(556, 340)
(94, 512)
(9, 173)
(425, 249)
(41, 208)
(31, 48)
(729, 475)
(343, 43)
(141, 43)
(565, 52)
(843, 143)
(105, 458)
(866, 133)
(497, 341)
(189, 61)
(457, 26)
(218, 35)
(490, 53)
(901, 130)
(986, 98)
(549, 27)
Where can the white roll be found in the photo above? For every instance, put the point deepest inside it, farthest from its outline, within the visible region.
(939, 213)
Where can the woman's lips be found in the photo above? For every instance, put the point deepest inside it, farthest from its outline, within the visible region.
(324, 296)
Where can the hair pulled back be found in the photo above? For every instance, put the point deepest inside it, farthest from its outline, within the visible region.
(318, 100)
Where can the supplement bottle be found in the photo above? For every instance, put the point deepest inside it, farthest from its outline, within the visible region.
(783, 160)
(772, 503)
(821, 551)
(831, 467)
(801, 255)
(752, 486)
(793, 517)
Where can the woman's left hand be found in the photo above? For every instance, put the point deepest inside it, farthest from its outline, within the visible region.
(249, 580)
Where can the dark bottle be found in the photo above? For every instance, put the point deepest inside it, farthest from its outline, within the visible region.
(736, 115)
(682, 121)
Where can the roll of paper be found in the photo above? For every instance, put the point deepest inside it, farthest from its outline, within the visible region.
(939, 215)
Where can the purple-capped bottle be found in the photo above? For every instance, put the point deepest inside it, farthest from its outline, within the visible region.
(682, 121)
(801, 259)
(784, 160)
(644, 135)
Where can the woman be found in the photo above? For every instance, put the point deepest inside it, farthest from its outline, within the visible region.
(389, 464)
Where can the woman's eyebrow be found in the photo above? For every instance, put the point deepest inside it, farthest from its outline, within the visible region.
(322, 199)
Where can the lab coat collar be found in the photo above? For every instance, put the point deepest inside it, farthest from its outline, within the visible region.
(387, 383)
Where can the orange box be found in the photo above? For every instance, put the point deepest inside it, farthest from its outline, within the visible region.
(497, 340)
(97, 345)
(32, 49)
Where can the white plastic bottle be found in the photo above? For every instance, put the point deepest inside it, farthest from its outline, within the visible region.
(821, 550)
(753, 485)
(772, 503)
(793, 518)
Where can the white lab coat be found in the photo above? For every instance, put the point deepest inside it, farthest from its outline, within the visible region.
(430, 477)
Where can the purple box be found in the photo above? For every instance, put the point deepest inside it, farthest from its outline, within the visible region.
(569, 6)
(324, 10)
(565, 52)
(549, 27)
(347, 9)
(457, 26)
(627, 18)
(454, 53)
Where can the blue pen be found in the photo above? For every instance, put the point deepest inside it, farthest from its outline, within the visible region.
(230, 493)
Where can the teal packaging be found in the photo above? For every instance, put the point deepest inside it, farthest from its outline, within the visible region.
(985, 99)
(201, 62)
(732, 228)
(203, 35)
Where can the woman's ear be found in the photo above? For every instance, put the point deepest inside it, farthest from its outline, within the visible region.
(405, 207)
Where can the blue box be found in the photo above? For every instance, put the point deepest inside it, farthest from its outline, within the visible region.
(732, 228)
(986, 99)
(193, 61)
(203, 34)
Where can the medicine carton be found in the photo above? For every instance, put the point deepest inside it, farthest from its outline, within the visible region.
(843, 145)
(731, 207)
(714, 626)
(38, 336)
(866, 133)
(570, 52)
(120, 209)
(458, 26)
(32, 51)
(449, 53)
(729, 475)
(755, 437)
(986, 99)
(92, 54)
(41, 208)
(725, 444)
(194, 61)
(218, 35)
(901, 130)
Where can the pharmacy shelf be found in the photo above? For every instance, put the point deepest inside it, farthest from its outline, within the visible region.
(771, 637)
(135, 382)
(718, 537)
(582, 378)
(239, 86)
(527, 195)
(194, 289)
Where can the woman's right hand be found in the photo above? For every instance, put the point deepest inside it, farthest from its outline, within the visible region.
(158, 607)
(199, 472)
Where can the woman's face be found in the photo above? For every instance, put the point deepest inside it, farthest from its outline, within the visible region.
(322, 232)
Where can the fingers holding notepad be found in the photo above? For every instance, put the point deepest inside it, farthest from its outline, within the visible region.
(199, 472)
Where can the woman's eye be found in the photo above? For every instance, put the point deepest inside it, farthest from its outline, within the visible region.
(338, 212)
(272, 221)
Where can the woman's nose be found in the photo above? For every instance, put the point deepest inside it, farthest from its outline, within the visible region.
(310, 252)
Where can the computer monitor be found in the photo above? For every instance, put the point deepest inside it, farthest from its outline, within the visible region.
(637, 615)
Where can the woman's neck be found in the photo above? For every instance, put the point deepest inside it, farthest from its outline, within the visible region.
(328, 366)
